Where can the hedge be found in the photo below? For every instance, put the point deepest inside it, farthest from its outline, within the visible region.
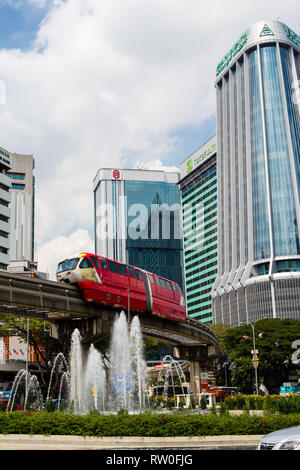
(143, 424)
(273, 403)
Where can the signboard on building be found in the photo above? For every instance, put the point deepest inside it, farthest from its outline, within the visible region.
(259, 32)
(199, 157)
(116, 174)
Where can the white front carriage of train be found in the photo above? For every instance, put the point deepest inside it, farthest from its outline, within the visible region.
(75, 269)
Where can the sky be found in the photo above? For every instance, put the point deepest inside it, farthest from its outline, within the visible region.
(110, 83)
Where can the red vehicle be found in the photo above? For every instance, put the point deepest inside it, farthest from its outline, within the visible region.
(120, 285)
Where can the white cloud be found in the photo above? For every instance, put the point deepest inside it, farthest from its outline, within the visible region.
(156, 164)
(106, 83)
(60, 248)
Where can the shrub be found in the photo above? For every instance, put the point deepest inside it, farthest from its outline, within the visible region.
(252, 403)
(240, 402)
(259, 401)
(143, 424)
(223, 408)
(170, 403)
(50, 406)
(203, 403)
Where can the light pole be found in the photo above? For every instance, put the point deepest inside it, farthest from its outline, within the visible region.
(255, 358)
(254, 355)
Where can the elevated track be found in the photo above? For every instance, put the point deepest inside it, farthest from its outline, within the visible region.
(62, 305)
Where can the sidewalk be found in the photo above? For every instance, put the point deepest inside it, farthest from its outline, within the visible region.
(37, 442)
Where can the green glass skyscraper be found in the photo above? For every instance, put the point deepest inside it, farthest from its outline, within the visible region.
(198, 187)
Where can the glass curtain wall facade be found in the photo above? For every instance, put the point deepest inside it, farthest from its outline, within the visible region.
(199, 206)
(258, 112)
(143, 226)
(160, 253)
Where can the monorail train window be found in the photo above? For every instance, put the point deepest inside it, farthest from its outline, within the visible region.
(113, 266)
(162, 283)
(86, 263)
(95, 261)
(169, 285)
(157, 280)
(138, 275)
(122, 270)
(67, 265)
(131, 271)
(151, 278)
(175, 287)
(103, 263)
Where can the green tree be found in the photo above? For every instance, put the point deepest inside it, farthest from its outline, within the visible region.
(274, 352)
(221, 370)
(39, 338)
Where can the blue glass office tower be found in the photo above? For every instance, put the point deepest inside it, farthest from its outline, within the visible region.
(258, 134)
(138, 220)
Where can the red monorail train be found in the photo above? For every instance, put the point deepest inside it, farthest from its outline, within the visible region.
(115, 284)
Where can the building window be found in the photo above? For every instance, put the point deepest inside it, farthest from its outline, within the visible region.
(3, 234)
(16, 176)
(20, 187)
(5, 188)
(4, 203)
(4, 218)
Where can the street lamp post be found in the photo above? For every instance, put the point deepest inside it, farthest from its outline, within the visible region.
(255, 358)
(254, 355)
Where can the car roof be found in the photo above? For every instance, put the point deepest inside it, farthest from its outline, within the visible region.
(277, 436)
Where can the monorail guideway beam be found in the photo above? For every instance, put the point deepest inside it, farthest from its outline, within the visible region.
(64, 307)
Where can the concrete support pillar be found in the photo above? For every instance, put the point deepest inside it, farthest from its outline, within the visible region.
(195, 378)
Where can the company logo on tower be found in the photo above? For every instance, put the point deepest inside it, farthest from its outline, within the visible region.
(116, 174)
(189, 165)
(266, 31)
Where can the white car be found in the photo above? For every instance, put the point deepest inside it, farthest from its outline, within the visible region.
(284, 439)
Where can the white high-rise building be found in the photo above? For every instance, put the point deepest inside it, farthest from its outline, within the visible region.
(5, 195)
(22, 207)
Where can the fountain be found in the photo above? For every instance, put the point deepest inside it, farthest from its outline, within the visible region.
(91, 383)
(124, 386)
(94, 382)
(170, 372)
(32, 388)
(60, 357)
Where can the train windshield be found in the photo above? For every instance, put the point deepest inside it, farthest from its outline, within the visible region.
(67, 265)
